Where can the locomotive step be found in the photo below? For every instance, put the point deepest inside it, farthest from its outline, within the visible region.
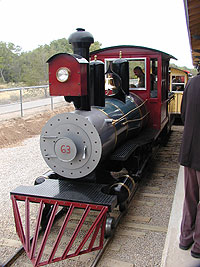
(68, 191)
(123, 152)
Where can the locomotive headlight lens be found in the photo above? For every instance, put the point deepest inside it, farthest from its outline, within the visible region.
(62, 75)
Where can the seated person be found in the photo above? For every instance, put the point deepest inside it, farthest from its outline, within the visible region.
(153, 91)
(141, 76)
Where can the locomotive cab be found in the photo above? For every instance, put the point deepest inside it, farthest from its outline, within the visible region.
(148, 77)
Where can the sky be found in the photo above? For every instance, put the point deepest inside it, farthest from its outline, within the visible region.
(157, 24)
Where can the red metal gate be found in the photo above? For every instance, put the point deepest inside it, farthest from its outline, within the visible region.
(91, 241)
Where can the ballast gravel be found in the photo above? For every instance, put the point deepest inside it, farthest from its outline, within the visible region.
(19, 165)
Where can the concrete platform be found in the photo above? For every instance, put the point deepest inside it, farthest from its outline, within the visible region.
(173, 256)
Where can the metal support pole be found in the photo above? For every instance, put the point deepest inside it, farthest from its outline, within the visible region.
(51, 102)
(21, 102)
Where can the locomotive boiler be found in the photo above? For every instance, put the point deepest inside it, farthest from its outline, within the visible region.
(73, 144)
(98, 152)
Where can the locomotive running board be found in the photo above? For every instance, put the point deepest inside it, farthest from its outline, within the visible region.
(123, 152)
(71, 240)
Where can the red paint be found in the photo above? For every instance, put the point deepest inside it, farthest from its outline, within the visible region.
(35, 249)
(76, 85)
(65, 149)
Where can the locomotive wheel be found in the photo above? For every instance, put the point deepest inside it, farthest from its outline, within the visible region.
(109, 228)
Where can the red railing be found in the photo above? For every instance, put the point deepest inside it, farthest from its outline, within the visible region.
(93, 234)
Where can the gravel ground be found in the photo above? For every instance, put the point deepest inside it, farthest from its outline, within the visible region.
(19, 165)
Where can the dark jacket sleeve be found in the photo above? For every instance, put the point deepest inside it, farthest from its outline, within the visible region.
(183, 105)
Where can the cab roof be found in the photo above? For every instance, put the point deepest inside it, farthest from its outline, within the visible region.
(131, 49)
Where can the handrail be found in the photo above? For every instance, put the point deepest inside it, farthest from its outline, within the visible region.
(24, 88)
(21, 89)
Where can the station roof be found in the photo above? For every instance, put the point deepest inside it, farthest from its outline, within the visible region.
(192, 11)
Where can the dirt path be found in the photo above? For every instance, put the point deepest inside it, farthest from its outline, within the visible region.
(14, 131)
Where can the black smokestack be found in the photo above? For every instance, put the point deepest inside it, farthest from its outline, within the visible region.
(81, 41)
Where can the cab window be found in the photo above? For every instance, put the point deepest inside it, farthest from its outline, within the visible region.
(153, 78)
(178, 83)
(137, 73)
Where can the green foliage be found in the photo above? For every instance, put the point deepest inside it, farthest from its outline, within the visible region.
(30, 68)
(9, 54)
(95, 46)
(35, 71)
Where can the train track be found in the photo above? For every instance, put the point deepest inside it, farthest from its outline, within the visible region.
(139, 238)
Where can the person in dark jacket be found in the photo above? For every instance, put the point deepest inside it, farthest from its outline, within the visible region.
(189, 157)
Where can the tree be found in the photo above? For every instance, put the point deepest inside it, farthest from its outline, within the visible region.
(34, 69)
(60, 46)
(95, 46)
(9, 54)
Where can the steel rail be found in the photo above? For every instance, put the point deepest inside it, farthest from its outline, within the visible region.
(21, 250)
(13, 258)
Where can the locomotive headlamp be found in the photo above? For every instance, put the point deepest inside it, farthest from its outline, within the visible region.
(62, 75)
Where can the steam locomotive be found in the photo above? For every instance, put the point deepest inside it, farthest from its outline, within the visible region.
(113, 129)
